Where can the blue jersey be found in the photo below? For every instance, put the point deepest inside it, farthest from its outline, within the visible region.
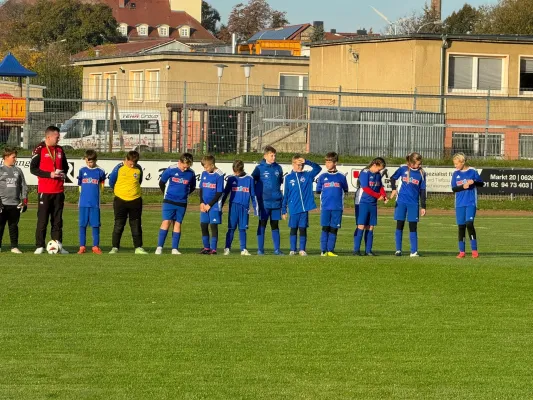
(211, 184)
(410, 183)
(466, 197)
(332, 186)
(268, 180)
(178, 184)
(298, 193)
(368, 182)
(241, 190)
(89, 181)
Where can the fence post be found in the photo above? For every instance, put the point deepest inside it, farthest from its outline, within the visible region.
(487, 122)
(26, 129)
(106, 117)
(261, 122)
(338, 127)
(413, 120)
(185, 117)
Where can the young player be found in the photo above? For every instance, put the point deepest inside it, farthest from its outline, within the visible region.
(177, 183)
(13, 197)
(465, 181)
(211, 190)
(91, 179)
(240, 189)
(125, 180)
(331, 186)
(370, 191)
(299, 198)
(268, 177)
(411, 198)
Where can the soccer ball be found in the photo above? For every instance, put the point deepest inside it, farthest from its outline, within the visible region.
(53, 247)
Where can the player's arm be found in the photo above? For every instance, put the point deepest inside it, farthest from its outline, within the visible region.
(256, 174)
(478, 181)
(285, 198)
(319, 184)
(163, 180)
(141, 174)
(344, 184)
(35, 164)
(192, 183)
(423, 194)
(397, 174)
(227, 190)
(316, 169)
(64, 162)
(363, 179)
(114, 175)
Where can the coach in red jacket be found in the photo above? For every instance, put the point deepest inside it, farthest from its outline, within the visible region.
(49, 164)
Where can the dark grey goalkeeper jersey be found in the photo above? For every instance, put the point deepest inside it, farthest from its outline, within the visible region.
(13, 187)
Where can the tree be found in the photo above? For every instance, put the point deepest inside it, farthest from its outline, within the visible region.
(224, 34)
(210, 17)
(79, 25)
(507, 17)
(279, 19)
(463, 21)
(318, 34)
(247, 19)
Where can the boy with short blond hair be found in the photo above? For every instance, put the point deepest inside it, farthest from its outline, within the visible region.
(91, 179)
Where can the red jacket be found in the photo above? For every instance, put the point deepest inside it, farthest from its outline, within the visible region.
(44, 161)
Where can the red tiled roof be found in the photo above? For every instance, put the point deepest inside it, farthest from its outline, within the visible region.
(121, 49)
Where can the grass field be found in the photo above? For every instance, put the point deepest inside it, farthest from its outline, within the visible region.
(214, 327)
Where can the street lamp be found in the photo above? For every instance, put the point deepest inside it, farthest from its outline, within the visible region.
(220, 72)
(247, 73)
(429, 23)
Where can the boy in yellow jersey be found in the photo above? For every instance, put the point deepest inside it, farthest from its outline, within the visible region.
(126, 180)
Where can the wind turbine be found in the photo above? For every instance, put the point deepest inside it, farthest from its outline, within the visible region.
(385, 18)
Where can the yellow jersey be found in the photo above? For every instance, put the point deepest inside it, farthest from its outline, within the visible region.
(126, 181)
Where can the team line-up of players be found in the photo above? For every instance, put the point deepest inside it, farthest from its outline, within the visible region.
(261, 189)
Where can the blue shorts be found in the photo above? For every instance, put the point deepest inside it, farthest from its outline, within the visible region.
(238, 216)
(366, 214)
(300, 220)
(89, 216)
(173, 212)
(331, 218)
(465, 214)
(273, 213)
(411, 211)
(211, 217)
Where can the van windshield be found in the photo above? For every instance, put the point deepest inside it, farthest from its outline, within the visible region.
(76, 128)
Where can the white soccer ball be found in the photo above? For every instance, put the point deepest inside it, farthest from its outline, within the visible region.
(53, 247)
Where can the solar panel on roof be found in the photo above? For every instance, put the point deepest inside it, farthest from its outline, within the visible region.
(275, 34)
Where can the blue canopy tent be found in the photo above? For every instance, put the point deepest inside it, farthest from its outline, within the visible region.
(10, 67)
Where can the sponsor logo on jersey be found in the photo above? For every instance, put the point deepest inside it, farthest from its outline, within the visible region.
(208, 185)
(332, 184)
(240, 189)
(180, 180)
(410, 180)
(90, 181)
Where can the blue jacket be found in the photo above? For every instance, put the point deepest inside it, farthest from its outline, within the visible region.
(268, 180)
(298, 194)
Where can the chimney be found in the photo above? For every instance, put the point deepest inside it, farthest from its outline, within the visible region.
(333, 31)
(436, 8)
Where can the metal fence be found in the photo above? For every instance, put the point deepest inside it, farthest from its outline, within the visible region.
(111, 112)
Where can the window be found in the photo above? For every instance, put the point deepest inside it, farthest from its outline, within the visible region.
(474, 74)
(95, 86)
(142, 30)
(473, 144)
(526, 75)
(296, 82)
(123, 29)
(136, 85)
(525, 145)
(163, 31)
(112, 77)
(101, 127)
(139, 127)
(78, 129)
(184, 32)
(152, 85)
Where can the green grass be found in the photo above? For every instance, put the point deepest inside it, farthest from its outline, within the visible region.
(197, 327)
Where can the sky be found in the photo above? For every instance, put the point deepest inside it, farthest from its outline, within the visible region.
(347, 15)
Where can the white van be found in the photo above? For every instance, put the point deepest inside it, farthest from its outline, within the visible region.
(141, 130)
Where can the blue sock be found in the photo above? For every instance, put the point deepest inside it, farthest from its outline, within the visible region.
(365, 235)
(242, 238)
(176, 236)
(332, 240)
(205, 241)
(399, 238)
(96, 236)
(303, 242)
(369, 240)
(462, 246)
(473, 244)
(276, 239)
(358, 238)
(229, 238)
(162, 237)
(324, 237)
(83, 236)
(261, 238)
(214, 242)
(413, 238)
(293, 239)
